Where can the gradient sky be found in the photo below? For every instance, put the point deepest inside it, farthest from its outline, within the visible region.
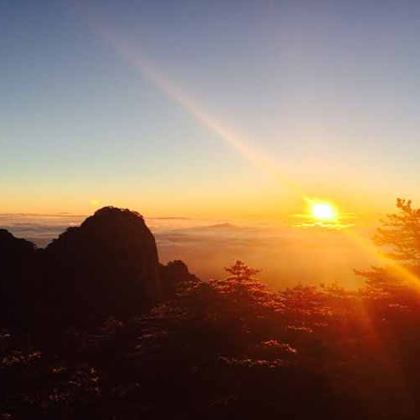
(115, 102)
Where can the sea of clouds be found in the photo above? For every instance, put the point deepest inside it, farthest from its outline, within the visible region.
(286, 255)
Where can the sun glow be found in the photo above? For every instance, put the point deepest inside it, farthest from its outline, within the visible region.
(323, 212)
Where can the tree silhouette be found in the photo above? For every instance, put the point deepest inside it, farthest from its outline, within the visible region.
(240, 272)
(401, 233)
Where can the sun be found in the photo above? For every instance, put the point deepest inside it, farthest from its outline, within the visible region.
(323, 212)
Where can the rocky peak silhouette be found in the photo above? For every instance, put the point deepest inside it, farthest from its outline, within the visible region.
(107, 266)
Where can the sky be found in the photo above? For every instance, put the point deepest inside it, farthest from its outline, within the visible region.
(210, 109)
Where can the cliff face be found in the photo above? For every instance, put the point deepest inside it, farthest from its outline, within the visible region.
(107, 266)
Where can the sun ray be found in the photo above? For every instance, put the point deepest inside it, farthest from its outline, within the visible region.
(136, 58)
(147, 69)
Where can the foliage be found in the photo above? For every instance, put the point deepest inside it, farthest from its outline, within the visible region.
(401, 233)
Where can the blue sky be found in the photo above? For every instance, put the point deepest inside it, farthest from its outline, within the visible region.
(328, 90)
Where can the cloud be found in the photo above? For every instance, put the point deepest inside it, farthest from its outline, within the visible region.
(39, 228)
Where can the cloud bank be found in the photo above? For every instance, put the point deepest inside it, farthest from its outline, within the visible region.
(286, 255)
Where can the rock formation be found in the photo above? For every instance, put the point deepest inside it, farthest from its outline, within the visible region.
(107, 266)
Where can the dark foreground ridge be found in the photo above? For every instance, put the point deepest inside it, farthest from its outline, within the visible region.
(108, 266)
(93, 327)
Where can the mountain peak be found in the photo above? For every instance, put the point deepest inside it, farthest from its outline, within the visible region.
(109, 264)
